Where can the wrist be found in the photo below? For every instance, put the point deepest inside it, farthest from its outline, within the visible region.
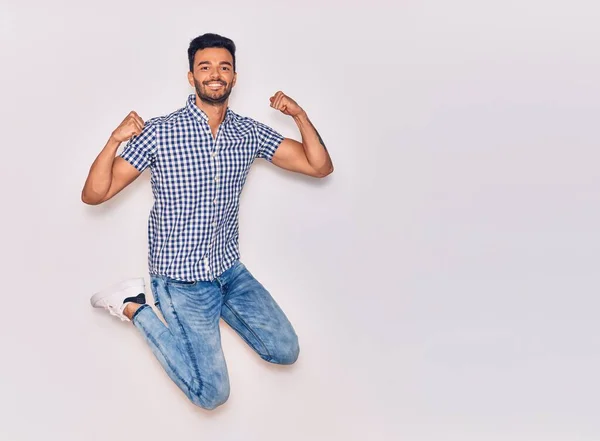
(113, 142)
(301, 116)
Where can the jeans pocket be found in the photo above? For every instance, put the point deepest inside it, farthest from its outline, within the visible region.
(157, 306)
(156, 295)
(179, 282)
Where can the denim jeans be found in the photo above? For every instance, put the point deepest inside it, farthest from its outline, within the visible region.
(189, 348)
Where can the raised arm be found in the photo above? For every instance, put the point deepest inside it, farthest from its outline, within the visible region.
(109, 174)
(309, 157)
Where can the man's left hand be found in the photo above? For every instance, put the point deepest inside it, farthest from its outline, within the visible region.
(285, 104)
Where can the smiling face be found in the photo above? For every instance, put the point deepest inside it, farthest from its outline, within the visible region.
(213, 76)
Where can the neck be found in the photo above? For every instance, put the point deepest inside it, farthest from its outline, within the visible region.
(215, 112)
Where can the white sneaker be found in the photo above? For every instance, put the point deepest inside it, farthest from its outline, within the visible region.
(115, 298)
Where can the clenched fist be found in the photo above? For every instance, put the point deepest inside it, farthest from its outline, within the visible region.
(285, 104)
(131, 125)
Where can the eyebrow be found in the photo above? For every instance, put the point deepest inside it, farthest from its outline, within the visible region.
(208, 62)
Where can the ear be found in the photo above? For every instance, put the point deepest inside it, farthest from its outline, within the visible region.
(234, 79)
(191, 79)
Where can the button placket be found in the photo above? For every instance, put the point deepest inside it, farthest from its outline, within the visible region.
(215, 182)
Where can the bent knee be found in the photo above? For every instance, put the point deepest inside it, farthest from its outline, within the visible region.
(210, 397)
(285, 354)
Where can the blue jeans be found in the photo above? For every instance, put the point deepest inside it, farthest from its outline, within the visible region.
(189, 348)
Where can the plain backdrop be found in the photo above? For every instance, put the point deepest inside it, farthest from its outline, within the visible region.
(443, 280)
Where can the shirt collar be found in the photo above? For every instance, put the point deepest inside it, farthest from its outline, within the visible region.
(199, 113)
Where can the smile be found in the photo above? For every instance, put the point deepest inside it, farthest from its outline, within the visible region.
(214, 86)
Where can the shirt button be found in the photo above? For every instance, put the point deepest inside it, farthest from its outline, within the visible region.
(216, 179)
(215, 201)
(214, 154)
(214, 224)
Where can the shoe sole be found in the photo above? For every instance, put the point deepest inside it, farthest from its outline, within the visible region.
(129, 283)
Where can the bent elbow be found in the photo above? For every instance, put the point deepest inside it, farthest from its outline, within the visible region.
(322, 174)
(86, 199)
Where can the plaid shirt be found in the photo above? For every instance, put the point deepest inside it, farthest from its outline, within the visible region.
(193, 225)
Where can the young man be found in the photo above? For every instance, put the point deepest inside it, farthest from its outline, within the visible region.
(199, 157)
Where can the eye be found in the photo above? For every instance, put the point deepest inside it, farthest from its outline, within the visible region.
(225, 68)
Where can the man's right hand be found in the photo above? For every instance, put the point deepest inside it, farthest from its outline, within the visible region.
(131, 125)
(109, 174)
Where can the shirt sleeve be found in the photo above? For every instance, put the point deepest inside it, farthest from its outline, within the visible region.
(140, 150)
(268, 141)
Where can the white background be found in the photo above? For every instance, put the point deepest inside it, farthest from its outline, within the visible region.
(443, 280)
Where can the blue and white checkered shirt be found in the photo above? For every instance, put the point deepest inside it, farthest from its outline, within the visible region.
(193, 226)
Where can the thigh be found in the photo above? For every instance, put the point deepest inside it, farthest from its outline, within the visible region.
(192, 312)
(253, 313)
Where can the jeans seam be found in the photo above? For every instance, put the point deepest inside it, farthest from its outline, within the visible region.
(267, 354)
(186, 342)
(155, 343)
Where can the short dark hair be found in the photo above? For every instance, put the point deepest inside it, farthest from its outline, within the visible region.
(210, 40)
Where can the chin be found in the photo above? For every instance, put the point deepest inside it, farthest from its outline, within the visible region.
(215, 95)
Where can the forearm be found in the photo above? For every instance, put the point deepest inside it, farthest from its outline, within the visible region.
(100, 175)
(313, 144)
